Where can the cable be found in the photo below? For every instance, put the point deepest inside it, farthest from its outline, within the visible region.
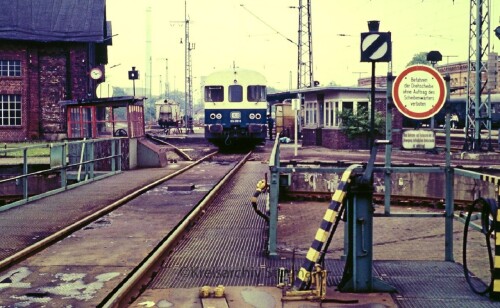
(261, 187)
(487, 207)
(268, 25)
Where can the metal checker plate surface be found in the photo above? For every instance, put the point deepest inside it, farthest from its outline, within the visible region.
(227, 247)
(430, 284)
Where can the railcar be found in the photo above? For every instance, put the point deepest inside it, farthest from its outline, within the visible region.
(284, 119)
(168, 114)
(235, 107)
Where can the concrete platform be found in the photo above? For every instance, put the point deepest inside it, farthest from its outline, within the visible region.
(254, 296)
(81, 269)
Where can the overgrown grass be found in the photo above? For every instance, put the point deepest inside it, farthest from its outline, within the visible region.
(35, 149)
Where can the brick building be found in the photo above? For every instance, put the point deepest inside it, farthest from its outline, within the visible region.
(321, 110)
(47, 52)
(458, 77)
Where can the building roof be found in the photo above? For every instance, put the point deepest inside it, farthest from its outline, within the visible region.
(118, 101)
(53, 20)
(335, 88)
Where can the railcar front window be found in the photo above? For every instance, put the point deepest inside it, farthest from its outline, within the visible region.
(214, 94)
(256, 93)
(235, 93)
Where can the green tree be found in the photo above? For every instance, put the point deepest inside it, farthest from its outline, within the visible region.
(354, 125)
(419, 58)
(117, 91)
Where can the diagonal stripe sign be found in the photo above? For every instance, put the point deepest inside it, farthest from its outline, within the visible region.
(376, 47)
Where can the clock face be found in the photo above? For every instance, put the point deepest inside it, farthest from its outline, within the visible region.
(95, 73)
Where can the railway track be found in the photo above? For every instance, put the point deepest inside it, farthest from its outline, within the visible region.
(396, 200)
(134, 230)
(458, 139)
(142, 275)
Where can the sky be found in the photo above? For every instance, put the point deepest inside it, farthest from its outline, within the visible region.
(257, 36)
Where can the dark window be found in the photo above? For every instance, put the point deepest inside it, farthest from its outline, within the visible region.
(363, 110)
(256, 93)
(10, 110)
(10, 68)
(235, 93)
(214, 94)
(348, 106)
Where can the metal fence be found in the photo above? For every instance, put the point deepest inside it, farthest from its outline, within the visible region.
(25, 177)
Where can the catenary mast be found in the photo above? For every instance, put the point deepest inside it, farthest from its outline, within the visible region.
(478, 111)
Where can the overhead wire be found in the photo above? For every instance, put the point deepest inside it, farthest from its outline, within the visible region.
(268, 25)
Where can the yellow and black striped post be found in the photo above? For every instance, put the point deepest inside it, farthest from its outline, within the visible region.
(304, 274)
(495, 287)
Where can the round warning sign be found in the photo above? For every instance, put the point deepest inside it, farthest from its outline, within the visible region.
(419, 92)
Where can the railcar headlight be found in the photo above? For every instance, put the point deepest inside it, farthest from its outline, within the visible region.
(251, 116)
(258, 116)
(218, 116)
(212, 116)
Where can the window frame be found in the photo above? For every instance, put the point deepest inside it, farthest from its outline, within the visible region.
(13, 117)
(210, 90)
(333, 109)
(310, 113)
(256, 93)
(10, 68)
(234, 95)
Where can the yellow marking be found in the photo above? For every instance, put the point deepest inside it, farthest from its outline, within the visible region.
(321, 235)
(345, 176)
(338, 196)
(496, 285)
(497, 262)
(497, 241)
(330, 215)
(312, 255)
(303, 274)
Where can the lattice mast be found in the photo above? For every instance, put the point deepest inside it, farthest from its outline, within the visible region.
(478, 112)
(167, 83)
(188, 86)
(305, 77)
(148, 74)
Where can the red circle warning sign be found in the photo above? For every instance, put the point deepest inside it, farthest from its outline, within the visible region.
(419, 92)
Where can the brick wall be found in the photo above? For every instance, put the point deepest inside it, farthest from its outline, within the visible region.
(32, 93)
(14, 85)
(335, 138)
(50, 72)
(53, 79)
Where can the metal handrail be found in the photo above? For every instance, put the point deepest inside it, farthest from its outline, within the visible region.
(450, 172)
(59, 152)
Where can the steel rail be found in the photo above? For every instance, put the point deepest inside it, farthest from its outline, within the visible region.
(22, 254)
(121, 296)
(176, 149)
